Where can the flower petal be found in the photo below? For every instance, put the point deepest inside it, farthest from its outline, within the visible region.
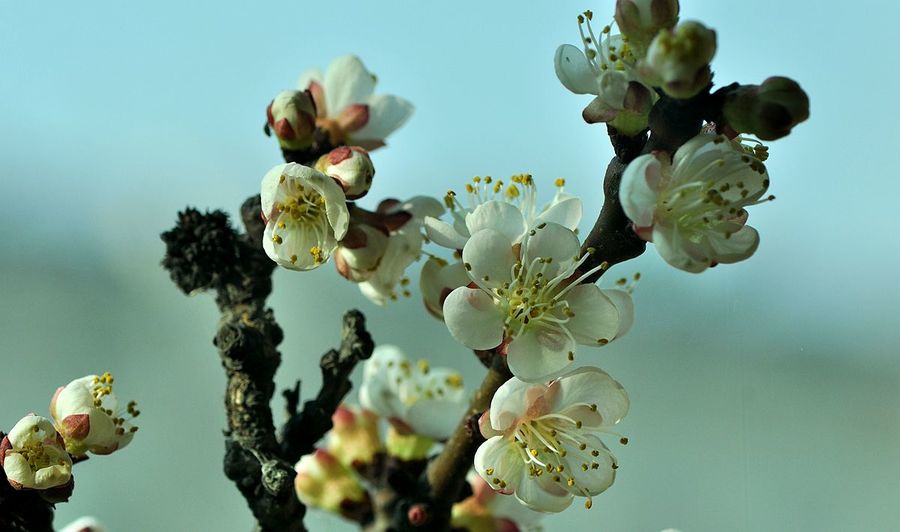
(680, 251)
(540, 353)
(387, 113)
(270, 190)
(52, 476)
(347, 81)
(735, 248)
(307, 77)
(542, 494)
(435, 418)
(580, 464)
(596, 320)
(500, 216)
(554, 242)
(443, 234)
(17, 470)
(335, 200)
(488, 257)
(565, 212)
(624, 306)
(639, 189)
(574, 71)
(500, 464)
(511, 401)
(590, 386)
(473, 319)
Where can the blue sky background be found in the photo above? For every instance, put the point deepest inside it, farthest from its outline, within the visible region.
(764, 394)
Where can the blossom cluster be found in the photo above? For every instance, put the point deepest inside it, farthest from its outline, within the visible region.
(85, 417)
(507, 274)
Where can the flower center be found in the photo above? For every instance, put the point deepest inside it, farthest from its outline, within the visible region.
(102, 390)
(708, 198)
(35, 454)
(606, 53)
(532, 297)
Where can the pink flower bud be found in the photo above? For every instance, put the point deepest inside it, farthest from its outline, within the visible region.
(351, 167)
(292, 118)
(323, 482)
(355, 438)
(360, 252)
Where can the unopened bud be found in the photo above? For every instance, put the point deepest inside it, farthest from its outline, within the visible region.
(292, 118)
(768, 111)
(355, 438)
(678, 60)
(360, 252)
(641, 20)
(351, 167)
(323, 482)
(407, 445)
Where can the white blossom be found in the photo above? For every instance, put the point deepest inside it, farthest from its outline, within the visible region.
(306, 215)
(511, 209)
(543, 439)
(33, 455)
(693, 208)
(529, 301)
(347, 107)
(606, 68)
(414, 397)
(89, 417)
(404, 247)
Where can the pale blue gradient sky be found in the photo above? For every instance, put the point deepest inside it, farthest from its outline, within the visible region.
(764, 394)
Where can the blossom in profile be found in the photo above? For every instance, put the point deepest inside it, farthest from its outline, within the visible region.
(354, 437)
(90, 417)
(510, 208)
(414, 397)
(33, 455)
(305, 213)
(543, 440)
(404, 246)
(487, 510)
(348, 109)
(323, 482)
(605, 66)
(693, 207)
(528, 301)
(641, 20)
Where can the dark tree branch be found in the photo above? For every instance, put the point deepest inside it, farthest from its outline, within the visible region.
(302, 430)
(204, 252)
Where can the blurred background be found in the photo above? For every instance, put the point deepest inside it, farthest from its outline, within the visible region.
(764, 394)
